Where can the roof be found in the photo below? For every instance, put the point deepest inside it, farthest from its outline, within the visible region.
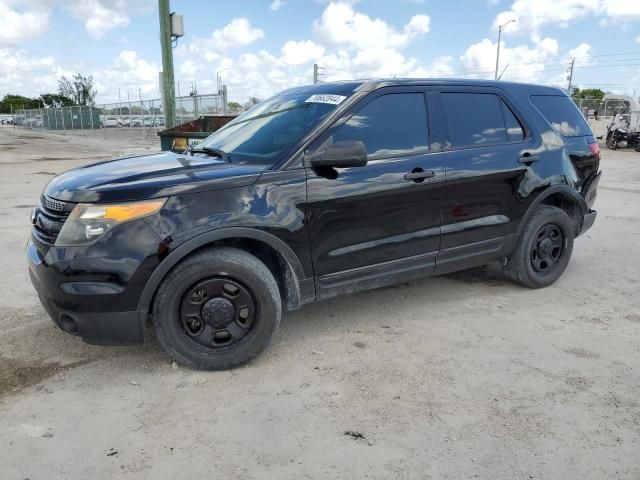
(350, 86)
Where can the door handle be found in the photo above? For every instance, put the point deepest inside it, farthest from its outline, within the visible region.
(527, 158)
(418, 175)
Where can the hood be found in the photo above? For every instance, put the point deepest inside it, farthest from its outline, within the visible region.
(149, 176)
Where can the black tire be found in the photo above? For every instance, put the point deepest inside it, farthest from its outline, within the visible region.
(611, 143)
(229, 267)
(535, 263)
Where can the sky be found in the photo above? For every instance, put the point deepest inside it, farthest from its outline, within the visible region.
(260, 47)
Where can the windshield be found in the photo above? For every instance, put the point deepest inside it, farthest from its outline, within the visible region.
(264, 133)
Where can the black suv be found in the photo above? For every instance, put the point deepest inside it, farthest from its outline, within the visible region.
(319, 191)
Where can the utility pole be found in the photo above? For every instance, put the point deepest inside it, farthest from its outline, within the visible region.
(316, 73)
(500, 28)
(570, 74)
(168, 87)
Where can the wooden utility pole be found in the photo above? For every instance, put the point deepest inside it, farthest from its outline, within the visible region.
(168, 87)
(570, 76)
(316, 73)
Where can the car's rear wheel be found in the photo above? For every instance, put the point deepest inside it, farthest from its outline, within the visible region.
(217, 309)
(543, 250)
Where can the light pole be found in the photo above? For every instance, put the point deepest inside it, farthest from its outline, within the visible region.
(500, 28)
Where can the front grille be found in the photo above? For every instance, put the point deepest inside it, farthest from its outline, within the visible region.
(55, 205)
(50, 217)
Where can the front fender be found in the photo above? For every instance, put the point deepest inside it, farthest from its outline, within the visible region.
(300, 290)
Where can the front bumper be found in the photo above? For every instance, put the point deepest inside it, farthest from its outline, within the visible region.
(588, 220)
(80, 307)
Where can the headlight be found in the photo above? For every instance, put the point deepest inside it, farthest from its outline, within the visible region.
(88, 222)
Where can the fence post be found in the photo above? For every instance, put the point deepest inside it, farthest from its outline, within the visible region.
(141, 113)
(224, 99)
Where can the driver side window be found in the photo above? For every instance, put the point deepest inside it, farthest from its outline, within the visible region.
(391, 125)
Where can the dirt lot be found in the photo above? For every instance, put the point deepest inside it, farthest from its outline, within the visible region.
(461, 376)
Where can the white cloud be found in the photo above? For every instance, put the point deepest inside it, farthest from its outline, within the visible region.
(621, 10)
(582, 53)
(638, 39)
(418, 25)
(297, 53)
(532, 15)
(237, 33)
(526, 63)
(276, 5)
(20, 23)
(23, 73)
(102, 16)
(340, 24)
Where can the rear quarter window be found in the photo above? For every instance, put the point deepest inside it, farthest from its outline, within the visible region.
(562, 114)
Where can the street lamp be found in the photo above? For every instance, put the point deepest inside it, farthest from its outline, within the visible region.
(500, 28)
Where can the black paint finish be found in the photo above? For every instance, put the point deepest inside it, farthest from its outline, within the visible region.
(402, 215)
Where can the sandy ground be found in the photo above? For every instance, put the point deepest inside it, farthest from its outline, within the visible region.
(462, 376)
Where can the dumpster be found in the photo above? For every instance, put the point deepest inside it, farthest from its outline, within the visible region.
(181, 137)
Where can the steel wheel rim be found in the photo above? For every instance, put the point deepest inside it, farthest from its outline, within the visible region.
(217, 312)
(548, 248)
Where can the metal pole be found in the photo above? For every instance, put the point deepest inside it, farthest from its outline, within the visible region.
(500, 27)
(498, 52)
(167, 63)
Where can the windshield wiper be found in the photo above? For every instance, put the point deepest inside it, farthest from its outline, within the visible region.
(211, 151)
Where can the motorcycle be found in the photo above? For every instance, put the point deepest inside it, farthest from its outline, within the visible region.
(622, 138)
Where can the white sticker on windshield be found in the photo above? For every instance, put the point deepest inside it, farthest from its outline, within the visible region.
(325, 98)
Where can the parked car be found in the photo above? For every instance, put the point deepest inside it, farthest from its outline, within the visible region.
(319, 191)
(111, 121)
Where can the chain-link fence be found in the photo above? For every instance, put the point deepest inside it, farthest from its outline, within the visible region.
(145, 116)
(601, 108)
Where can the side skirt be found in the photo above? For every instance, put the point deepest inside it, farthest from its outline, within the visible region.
(375, 276)
(412, 268)
(474, 254)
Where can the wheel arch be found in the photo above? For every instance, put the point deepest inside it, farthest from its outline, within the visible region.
(295, 289)
(563, 197)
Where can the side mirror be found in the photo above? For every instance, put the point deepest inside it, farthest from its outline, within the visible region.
(345, 154)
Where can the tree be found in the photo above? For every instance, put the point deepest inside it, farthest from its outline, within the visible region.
(251, 102)
(55, 100)
(234, 106)
(591, 93)
(16, 102)
(79, 89)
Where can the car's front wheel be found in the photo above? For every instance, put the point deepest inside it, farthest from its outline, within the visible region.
(217, 309)
(543, 250)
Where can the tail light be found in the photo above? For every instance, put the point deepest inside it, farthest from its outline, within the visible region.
(595, 149)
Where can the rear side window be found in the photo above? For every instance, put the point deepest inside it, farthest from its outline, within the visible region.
(562, 114)
(390, 125)
(474, 119)
(515, 132)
